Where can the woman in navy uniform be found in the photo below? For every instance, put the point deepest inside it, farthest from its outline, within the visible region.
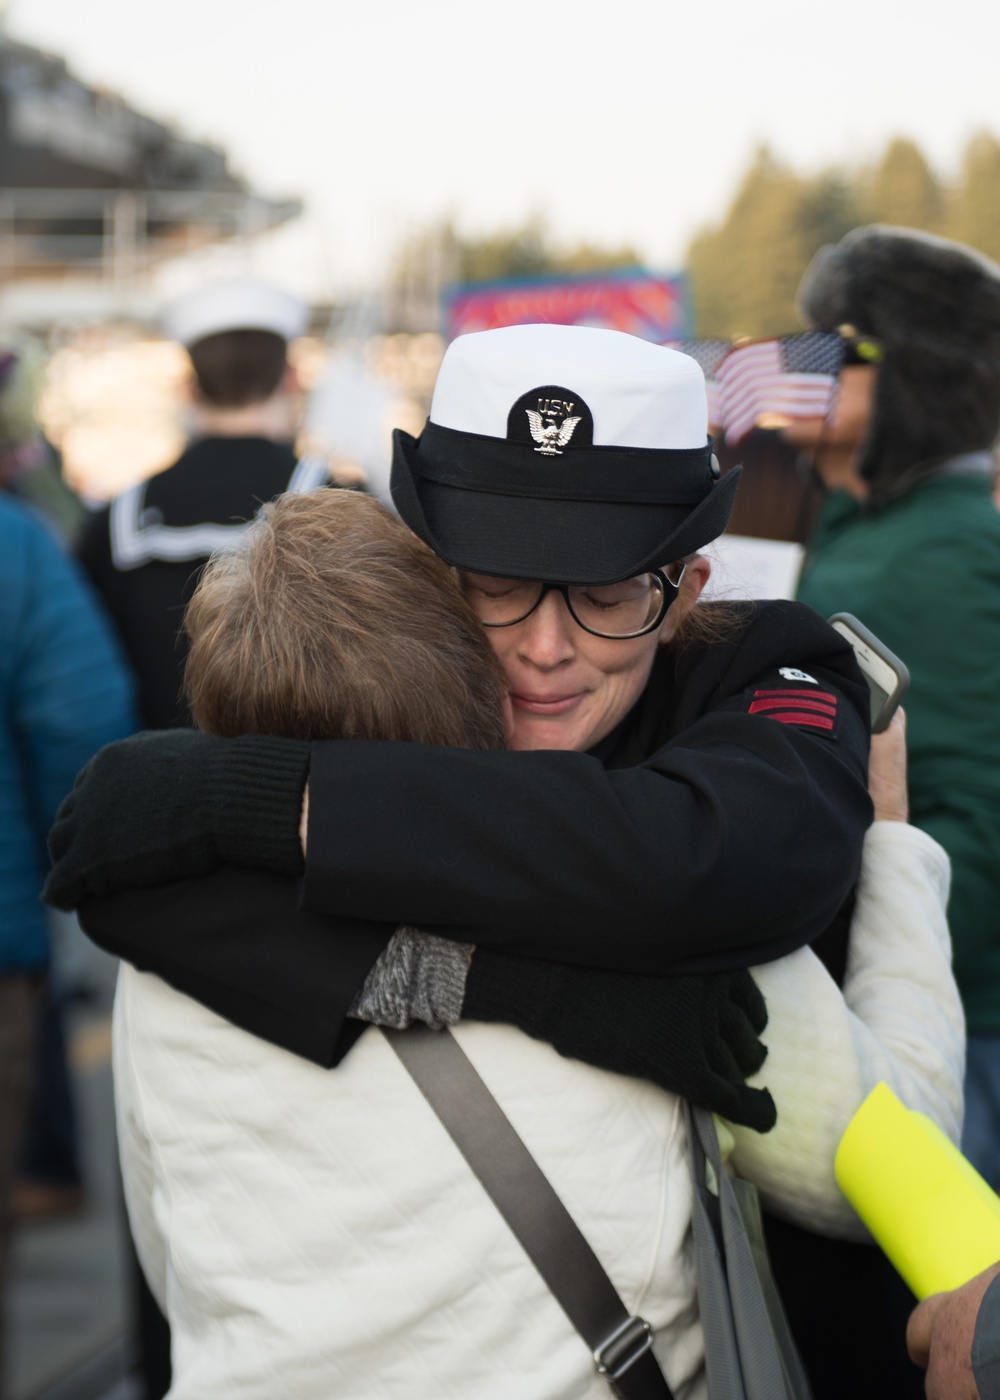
(683, 794)
(716, 814)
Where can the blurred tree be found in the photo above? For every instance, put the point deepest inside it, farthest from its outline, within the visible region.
(591, 257)
(745, 271)
(902, 189)
(434, 257)
(520, 252)
(528, 251)
(829, 208)
(975, 217)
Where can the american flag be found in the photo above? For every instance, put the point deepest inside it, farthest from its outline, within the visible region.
(793, 377)
(710, 355)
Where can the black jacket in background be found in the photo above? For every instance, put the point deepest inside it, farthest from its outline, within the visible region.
(145, 552)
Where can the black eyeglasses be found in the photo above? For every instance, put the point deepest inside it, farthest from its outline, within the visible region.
(618, 611)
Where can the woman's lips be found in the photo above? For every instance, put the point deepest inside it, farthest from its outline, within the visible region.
(545, 705)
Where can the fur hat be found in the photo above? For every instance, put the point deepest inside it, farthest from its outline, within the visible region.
(907, 288)
(934, 307)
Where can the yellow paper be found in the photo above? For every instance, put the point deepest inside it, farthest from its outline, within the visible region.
(928, 1208)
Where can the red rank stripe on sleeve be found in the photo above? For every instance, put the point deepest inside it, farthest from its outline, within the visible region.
(814, 707)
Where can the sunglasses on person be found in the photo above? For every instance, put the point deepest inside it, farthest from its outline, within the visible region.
(617, 611)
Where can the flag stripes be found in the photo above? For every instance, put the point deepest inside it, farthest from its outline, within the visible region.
(792, 377)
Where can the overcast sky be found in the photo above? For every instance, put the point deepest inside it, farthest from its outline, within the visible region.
(627, 121)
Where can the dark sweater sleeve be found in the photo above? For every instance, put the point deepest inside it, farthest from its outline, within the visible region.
(736, 842)
(236, 942)
(730, 842)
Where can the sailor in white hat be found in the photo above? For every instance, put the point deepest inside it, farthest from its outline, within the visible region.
(237, 304)
(145, 552)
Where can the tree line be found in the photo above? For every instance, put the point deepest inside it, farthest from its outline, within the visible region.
(743, 270)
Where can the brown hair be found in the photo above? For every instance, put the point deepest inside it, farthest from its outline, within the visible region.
(237, 368)
(330, 620)
(708, 623)
(712, 624)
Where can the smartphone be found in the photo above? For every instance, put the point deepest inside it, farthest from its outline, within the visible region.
(887, 677)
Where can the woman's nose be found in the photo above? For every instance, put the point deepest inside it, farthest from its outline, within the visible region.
(546, 637)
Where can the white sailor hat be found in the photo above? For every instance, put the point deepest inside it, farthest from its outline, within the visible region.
(239, 304)
(564, 453)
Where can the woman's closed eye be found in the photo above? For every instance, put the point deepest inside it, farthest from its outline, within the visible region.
(607, 599)
(508, 590)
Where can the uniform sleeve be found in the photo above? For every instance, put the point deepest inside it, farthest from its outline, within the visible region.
(899, 1019)
(737, 841)
(235, 942)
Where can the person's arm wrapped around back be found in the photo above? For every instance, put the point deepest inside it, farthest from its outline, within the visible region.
(194, 802)
(897, 1019)
(657, 866)
(696, 1036)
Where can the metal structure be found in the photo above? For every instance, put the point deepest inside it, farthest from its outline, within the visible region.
(90, 186)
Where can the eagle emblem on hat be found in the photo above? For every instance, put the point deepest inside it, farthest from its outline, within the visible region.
(551, 436)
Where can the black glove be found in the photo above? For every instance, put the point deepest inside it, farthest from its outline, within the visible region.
(172, 804)
(696, 1035)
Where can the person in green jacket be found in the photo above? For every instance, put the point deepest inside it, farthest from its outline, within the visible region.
(909, 541)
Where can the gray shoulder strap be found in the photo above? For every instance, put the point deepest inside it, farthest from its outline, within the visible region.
(619, 1342)
(749, 1350)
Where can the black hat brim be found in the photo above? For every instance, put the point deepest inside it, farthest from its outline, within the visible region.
(561, 540)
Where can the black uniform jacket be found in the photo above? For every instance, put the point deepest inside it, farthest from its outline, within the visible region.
(720, 825)
(145, 552)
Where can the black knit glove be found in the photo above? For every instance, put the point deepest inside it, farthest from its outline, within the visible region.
(171, 804)
(697, 1035)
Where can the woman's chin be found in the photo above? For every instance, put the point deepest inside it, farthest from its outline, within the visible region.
(528, 731)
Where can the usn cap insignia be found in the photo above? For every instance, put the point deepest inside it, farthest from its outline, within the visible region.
(549, 432)
(551, 418)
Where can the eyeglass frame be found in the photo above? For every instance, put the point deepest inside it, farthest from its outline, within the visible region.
(666, 602)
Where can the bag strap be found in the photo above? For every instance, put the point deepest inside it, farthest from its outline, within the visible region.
(750, 1353)
(620, 1343)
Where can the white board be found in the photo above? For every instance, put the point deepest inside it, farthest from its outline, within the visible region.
(750, 568)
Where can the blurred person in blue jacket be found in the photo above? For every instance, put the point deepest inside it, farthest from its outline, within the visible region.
(65, 692)
(49, 1178)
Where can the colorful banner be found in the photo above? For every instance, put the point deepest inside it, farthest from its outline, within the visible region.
(635, 301)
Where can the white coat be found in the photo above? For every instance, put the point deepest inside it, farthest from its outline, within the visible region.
(316, 1234)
